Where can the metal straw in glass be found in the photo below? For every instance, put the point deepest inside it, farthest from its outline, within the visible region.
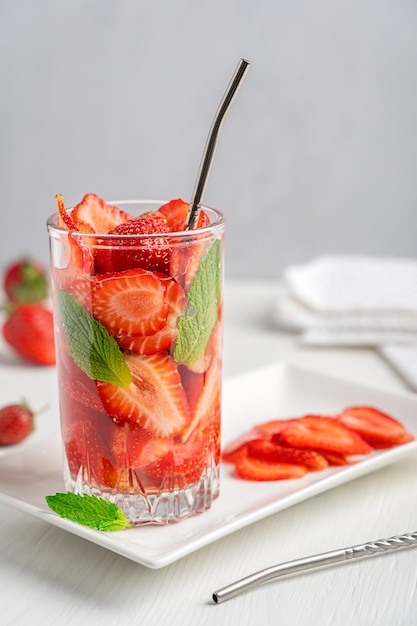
(211, 143)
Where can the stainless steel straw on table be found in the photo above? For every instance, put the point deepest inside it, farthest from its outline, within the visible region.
(211, 143)
(319, 560)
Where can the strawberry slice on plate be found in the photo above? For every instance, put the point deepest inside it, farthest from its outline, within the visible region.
(238, 447)
(253, 469)
(377, 428)
(270, 452)
(155, 399)
(130, 303)
(265, 431)
(272, 427)
(315, 432)
(336, 459)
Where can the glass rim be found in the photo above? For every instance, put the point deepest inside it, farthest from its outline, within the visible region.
(217, 225)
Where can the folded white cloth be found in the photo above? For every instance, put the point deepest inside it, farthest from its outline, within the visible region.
(353, 301)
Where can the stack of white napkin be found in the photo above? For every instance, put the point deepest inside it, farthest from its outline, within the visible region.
(354, 301)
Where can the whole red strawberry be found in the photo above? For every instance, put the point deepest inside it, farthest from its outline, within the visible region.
(29, 330)
(149, 253)
(25, 281)
(16, 423)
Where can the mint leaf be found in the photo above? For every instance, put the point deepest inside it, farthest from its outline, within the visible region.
(89, 511)
(91, 346)
(199, 318)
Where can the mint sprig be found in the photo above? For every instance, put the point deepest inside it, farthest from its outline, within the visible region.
(200, 316)
(91, 346)
(89, 511)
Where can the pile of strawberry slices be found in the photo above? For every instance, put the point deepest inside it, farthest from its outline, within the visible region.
(289, 448)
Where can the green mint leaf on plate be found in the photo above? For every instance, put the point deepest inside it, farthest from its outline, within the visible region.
(91, 346)
(199, 318)
(89, 511)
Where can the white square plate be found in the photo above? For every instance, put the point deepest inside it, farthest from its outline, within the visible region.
(271, 392)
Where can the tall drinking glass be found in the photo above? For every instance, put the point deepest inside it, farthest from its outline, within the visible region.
(139, 362)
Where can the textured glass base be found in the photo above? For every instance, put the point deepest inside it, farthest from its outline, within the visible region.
(158, 507)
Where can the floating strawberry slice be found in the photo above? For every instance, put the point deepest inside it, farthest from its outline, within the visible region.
(97, 214)
(184, 260)
(77, 262)
(214, 435)
(378, 429)
(155, 399)
(208, 402)
(176, 213)
(173, 463)
(86, 448)
(190, 459)
(74, 384)
(176, 301)
(155, 450)
(207, 430)
(149, 253)
(82, 391)
(127, 444)
(314, 432)
(253, 469)
(130, 303)
(192, 383)
(65, 220)
(270, 452)
(81, 289)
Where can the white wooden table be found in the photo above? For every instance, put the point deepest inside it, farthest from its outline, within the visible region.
(49, 576)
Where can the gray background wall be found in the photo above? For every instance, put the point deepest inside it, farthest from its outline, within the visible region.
(318, 154)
